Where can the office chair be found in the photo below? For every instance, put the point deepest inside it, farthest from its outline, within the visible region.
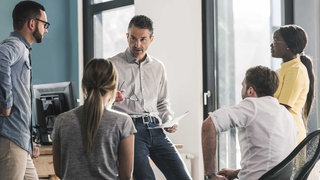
(299, 163)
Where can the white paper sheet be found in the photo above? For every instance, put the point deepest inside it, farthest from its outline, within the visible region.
(172, 122)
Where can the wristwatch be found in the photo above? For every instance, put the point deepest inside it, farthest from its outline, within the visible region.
(209, 176)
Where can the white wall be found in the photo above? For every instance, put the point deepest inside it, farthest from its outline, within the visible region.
(178, 43)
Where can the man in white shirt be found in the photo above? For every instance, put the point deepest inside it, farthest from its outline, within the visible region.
(266, 130)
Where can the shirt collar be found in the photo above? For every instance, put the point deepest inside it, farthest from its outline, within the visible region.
(290, 63)
(131, 59)
(22, 39)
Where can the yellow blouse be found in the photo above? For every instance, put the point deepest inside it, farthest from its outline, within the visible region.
(293, 89)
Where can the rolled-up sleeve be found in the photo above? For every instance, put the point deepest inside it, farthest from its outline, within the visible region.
(6, 57)
(236, 116)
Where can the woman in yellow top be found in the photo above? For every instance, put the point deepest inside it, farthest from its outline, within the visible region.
(296, 87)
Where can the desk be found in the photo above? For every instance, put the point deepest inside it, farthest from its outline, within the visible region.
(44, 163)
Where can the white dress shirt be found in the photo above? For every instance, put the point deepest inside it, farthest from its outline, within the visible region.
(266, 130)
(145, 86)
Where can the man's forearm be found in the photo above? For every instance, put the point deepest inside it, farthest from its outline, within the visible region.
(208, 145)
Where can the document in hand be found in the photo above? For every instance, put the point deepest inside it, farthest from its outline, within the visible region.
(171, 122)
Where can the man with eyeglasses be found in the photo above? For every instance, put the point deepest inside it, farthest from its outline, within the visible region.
(30, 24)
(143, 94)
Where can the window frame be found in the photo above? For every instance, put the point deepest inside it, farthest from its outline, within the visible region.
(210, 54)
(89, 10)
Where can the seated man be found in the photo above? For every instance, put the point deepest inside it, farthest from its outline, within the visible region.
(266, 130)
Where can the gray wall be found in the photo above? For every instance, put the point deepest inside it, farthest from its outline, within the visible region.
(306, 14)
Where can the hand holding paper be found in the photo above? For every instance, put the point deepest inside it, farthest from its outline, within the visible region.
(171, 122)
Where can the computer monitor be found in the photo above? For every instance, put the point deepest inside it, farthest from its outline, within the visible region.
(49, 101)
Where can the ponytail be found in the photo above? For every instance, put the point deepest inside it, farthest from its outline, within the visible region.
(92, 113)
(99, 82)
(307, 107)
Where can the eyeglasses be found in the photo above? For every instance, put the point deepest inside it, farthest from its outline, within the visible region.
(46, 24)
(131, 96)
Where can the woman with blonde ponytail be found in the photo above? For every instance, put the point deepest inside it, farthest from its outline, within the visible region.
(93, 141)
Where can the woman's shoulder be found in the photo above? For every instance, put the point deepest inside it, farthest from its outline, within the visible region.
(71, 114)
(295, 67)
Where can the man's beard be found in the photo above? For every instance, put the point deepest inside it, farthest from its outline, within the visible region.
(36, 34)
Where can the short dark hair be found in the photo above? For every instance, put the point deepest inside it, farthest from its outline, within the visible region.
(24, 11)
(141, 21)
(263, 80)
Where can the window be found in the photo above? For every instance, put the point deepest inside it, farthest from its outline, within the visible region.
(105, 27)
(110, 28)
(238, 35)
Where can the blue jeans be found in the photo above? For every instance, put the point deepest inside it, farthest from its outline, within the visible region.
(155, 144)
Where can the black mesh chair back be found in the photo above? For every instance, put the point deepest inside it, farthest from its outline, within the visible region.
(299, 163)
